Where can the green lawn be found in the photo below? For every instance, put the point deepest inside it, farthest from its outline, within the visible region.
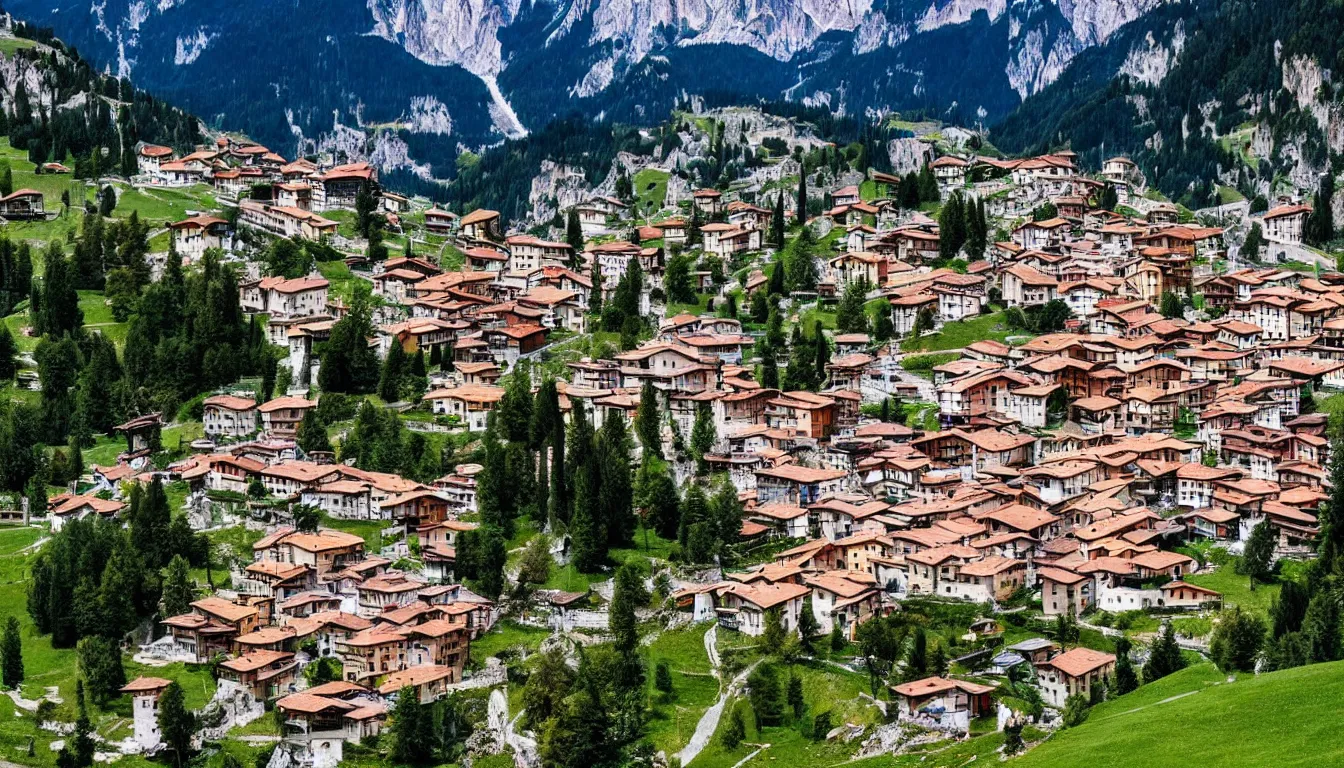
(694, 687)
(369, 530)
(1288, 718)
(506, 635)
(47, 666)
(341, 278)
(1236, 589)
(700, 307)
(650, 187)
(825, 689)
(959, 334)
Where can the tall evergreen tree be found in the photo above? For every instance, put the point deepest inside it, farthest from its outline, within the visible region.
(574, 233)
(777, 222)
(703, 437)
(1164, 657)
(177, 724)
(800, 214)
(178, 591)
(11, 655)
(648, 422)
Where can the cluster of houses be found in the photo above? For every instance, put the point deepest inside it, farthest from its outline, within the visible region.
(1072, 464)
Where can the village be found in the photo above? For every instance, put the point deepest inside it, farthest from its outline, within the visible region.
(960, 451)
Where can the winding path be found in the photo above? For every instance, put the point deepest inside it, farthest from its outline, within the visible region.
(709, 722)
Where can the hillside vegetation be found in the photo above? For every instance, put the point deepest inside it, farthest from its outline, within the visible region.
(1194, 718)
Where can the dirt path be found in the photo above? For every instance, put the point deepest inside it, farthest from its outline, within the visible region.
(709, 723)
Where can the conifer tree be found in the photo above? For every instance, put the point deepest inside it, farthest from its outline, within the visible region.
(178, 591)
(800, 214)
(11, 651)
(1164, 657)
(648, 424)
(703, 437)
(394, 368)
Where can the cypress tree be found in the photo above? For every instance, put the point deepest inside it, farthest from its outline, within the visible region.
(801, 214)
(648, 425)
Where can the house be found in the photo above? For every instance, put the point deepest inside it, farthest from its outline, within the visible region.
(1073, 672)
(150, 157)
(145, 693)
(192, 236)
(439, 221)
(796, 484)
(471, 403)
(481, 224)
(950, 703)
(284, 221)
(265, 674)
(1041, 234)
(326, 551)
(281, 417)
(1024, 286)
(342, 184)
(742, 607)
(81, 506)
(1065, 592)
(708, 201)
(1286, 223)
(229, 416)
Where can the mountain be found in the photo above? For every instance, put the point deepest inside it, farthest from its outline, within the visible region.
(1236, 90)
(436, 76)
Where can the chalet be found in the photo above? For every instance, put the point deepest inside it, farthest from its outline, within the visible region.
(229, 416)
(192, 236)
(1073, 672)
(950, 704)
(281, 417)
(283, 221)
(470, 403)
(1286, 224)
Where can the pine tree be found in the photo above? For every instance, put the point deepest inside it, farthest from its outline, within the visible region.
(178, 590)
(1125, 678)
(1236, 642)
(656, 494)
(100, 664)
(587, 537)
(821, 355)
(800, 214)
(574, 233)
(394, 368)
(795, 695)
(849, 314)
(11, 652)
(736, 731)
(769, 371)
(777, 222)
(703, 437)
(1164, 657)
(808, 626)
(1321, 627)
(1257, 559)
(648, 424)
(312, 433)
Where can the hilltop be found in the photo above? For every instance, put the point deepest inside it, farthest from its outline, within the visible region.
(1194, 717)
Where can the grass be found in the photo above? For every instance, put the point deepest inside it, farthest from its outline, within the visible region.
(694, 687)
(47, 666)
(507, 635)
(700, 307)
(650, 186)
(958, 335)
(924, 364)
(825, 689)
(1236, 589)
(341, 278)
(369, 530)
(1284, 718)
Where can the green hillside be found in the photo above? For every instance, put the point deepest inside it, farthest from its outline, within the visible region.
(1192, 718)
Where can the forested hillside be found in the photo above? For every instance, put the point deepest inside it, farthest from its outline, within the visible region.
(1175, 88)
